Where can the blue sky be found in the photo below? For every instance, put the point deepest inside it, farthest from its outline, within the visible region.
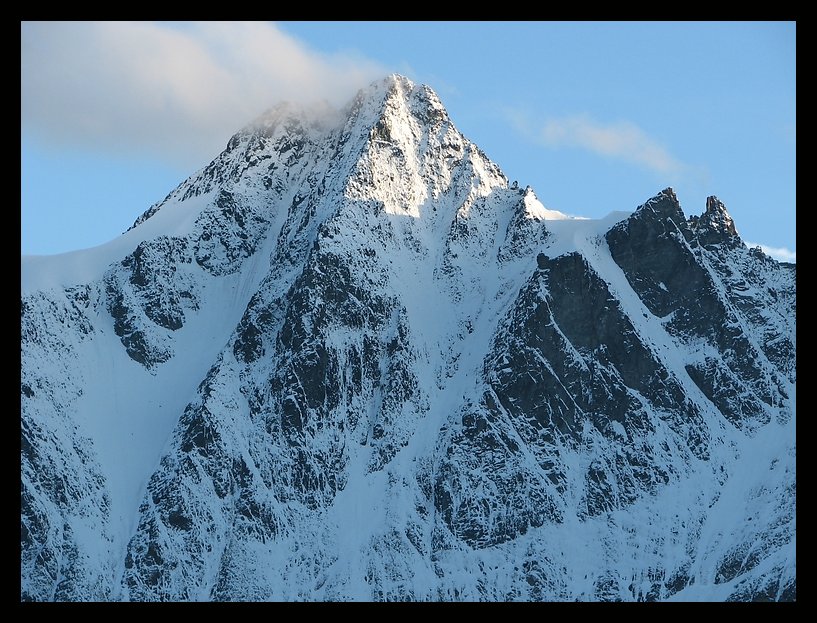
(595, 116)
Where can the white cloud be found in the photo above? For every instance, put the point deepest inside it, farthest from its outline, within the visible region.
(623, 140)
(781, 254)
(174, 90)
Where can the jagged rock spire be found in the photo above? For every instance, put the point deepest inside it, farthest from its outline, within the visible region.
(715, 225)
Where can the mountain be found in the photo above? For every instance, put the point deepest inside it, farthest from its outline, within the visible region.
(347, 360)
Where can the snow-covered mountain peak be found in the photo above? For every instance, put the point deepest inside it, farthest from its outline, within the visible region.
(346, 360)
(413, 154)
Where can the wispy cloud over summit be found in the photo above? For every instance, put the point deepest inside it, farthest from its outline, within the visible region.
(176, 91)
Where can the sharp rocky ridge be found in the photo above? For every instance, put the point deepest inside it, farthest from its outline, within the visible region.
(348, 361)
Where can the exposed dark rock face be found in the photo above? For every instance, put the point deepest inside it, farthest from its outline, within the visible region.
(666, 263)
(566, 368)
(147, 299)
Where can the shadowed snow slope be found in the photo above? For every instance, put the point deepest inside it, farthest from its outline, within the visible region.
(346, 361)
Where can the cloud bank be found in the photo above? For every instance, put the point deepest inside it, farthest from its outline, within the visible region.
(177, 91)
(781, 254)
